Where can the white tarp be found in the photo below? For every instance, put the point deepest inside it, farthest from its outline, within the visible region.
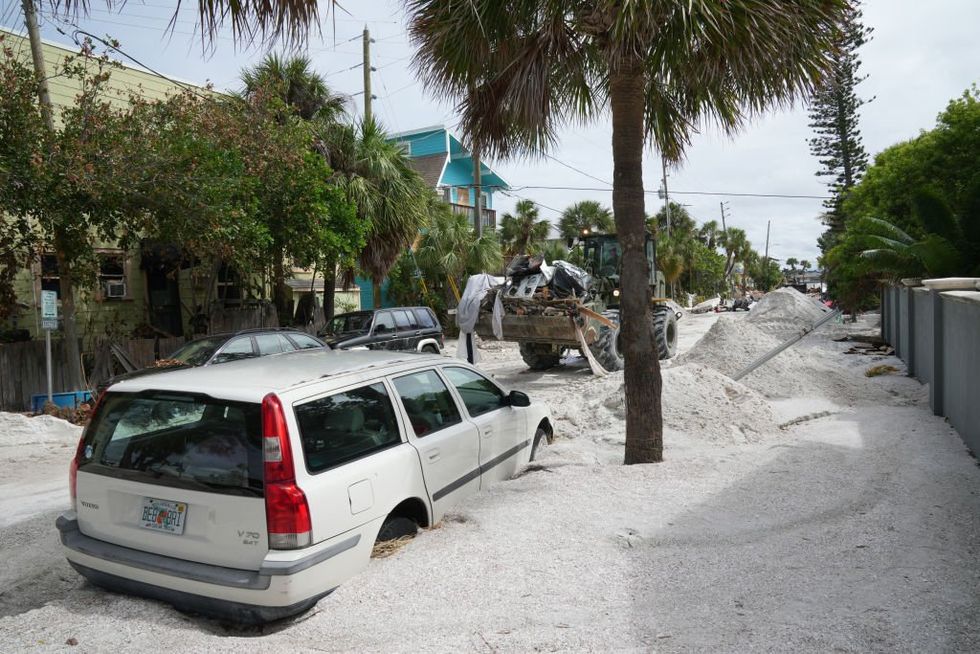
(468, 313)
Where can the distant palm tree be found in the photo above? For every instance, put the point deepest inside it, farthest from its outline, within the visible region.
(792, 262)
(293, 80)
(450, 249)
(708, 233)
(804, 265)
(587, 216)
(523, 232)
(379, 180)
(736, 244)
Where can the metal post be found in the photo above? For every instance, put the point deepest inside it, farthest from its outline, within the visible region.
(776, 350)
(47, 363)
(663, 163)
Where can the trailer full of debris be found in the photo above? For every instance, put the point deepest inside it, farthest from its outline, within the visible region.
(552, 309)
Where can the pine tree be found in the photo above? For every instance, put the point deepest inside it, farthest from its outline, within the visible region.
(834, 118)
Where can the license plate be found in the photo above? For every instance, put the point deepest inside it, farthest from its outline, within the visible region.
(163, 515)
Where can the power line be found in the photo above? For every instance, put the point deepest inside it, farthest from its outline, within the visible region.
(649, 192)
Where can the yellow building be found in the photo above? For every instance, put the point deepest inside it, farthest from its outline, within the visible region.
(148, 290)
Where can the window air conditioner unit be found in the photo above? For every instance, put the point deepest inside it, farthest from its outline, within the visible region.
(115, 289)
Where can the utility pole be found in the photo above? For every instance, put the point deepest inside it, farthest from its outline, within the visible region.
(478, 188)
(766, 258)
(477, 179)
(367, 75)
(37, 54)
(663, 162)
(723, 227)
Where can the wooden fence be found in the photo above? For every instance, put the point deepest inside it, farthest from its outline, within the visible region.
(233, 320)
(22, 367)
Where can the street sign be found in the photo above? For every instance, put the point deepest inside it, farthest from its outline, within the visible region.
(49, 310)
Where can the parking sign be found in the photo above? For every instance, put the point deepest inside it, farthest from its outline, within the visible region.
(49, 310)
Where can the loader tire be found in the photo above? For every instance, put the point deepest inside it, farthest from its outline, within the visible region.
(665, 332)
(540, 356)
(605, 348)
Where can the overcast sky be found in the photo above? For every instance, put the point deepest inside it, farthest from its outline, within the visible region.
(922, 55)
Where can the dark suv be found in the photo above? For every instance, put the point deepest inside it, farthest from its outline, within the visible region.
(219, 348)
(401, 328)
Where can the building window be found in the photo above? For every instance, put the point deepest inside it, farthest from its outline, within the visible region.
(229, 286)
(112, 276)
(50, 276)
(463, 195)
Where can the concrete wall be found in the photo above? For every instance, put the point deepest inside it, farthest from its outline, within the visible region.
(938, 337)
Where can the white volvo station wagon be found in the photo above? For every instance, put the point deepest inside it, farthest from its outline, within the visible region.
(250, 490)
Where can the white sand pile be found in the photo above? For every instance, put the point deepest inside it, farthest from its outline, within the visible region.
(17, 430)
(785, 311)
(697, 401)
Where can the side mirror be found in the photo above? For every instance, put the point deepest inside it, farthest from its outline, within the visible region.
(517, 398)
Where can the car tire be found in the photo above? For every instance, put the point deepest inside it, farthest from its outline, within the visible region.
(397, 527)
(430, 349)
(540, 356)
(540, 438)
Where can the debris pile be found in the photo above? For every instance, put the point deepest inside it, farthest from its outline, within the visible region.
(533, 287)
(696, 400)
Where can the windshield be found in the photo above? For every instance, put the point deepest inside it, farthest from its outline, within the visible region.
(185, 441)
(603, 255)
(197, 353)
(350, 322)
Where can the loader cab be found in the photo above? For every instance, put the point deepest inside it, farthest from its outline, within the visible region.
(603, 257)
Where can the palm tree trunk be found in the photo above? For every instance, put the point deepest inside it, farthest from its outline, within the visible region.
(376, 292)
(329, 290)
(644, 420)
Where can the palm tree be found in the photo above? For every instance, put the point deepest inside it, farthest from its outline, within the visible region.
(792, 262)
(379, 180)
(522, 232)
(708, 233)
(522, 68)
(670, 261)
(267, 21)
(736, 244)
(450, 249)
(587, 216)
(804, 265)
(293, 81)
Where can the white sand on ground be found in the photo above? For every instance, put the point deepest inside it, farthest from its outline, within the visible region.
(809, 508)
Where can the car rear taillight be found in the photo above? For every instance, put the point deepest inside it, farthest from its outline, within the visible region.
(286, 510)
(79, 454)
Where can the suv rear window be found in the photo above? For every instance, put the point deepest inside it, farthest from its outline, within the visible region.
(425, 320)
(345, 426)
(183, 441)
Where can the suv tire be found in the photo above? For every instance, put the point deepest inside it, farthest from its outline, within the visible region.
(540, 356)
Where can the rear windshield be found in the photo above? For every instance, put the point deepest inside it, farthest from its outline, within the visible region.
(183, 441)
(350, 322)
(196, 353)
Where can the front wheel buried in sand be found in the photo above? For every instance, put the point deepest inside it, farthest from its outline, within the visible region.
(665, 332)
(540, 356)
(605, 348)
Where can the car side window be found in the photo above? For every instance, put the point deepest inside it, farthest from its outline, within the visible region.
(271, 344)
(402, 319)
(304, 341)
(346, 426)
(237, 348)
(383, 323)
(427, 401)
(424, 319)
(479, 394)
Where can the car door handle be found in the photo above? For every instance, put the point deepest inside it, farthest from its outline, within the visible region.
(487, 433)
(433, 454)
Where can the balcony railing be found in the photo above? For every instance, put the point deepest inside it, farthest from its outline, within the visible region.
(489, 215)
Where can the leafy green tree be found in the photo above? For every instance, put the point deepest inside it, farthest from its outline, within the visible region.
(682, 224)
(521, 68)
(834, 118)
(288, 91)
(585, 217)
(523, 232)
(766, 274)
